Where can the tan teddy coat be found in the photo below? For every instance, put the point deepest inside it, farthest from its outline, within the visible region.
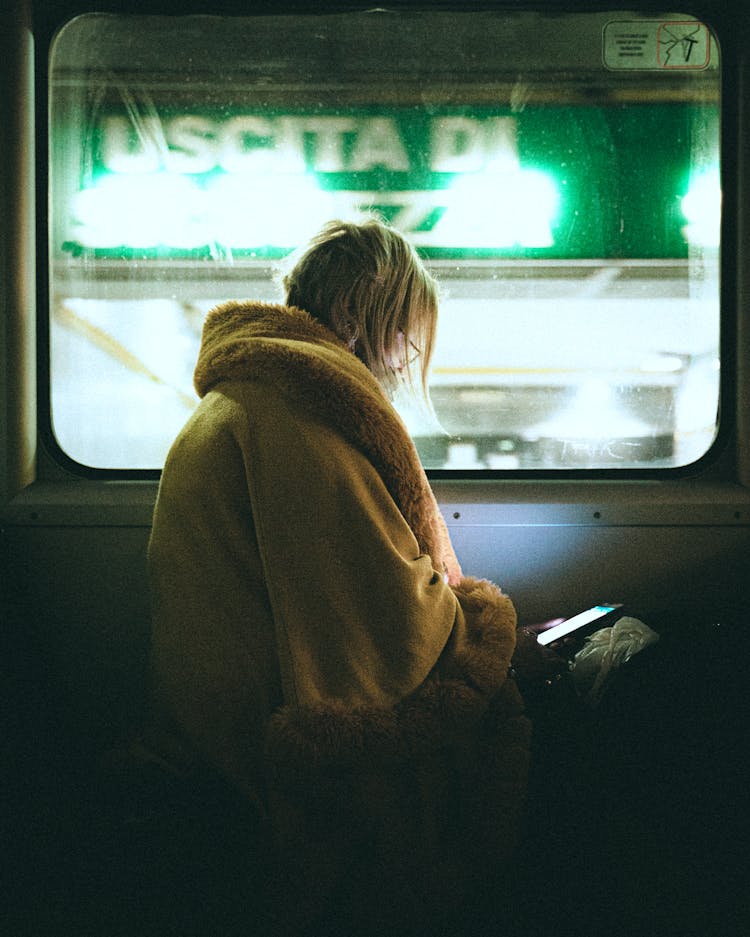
(312, 629)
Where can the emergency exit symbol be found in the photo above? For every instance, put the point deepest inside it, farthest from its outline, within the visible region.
(683, 45)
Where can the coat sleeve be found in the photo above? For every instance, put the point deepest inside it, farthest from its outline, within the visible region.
(360, 615)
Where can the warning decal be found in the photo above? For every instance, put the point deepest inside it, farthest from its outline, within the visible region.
(656, 45)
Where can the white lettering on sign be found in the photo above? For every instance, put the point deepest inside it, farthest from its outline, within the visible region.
(242, 145)
(465, 144)
(379, 144)
(327, 134)
(190, 143)
(495, 210)
(253, 144)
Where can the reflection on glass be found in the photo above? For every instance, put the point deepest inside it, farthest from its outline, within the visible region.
(562, 180)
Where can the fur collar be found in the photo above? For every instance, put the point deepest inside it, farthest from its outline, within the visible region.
(287, 347)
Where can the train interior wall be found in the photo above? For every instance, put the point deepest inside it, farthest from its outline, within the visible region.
(79, 595)
(657, 773)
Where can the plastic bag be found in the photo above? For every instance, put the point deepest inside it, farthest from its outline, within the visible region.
(606, 650)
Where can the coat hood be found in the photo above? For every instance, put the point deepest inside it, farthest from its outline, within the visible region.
(288, 348)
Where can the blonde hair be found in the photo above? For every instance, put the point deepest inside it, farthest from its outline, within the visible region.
(369, 286)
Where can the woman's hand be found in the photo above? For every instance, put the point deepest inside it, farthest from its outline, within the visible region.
(534, 664)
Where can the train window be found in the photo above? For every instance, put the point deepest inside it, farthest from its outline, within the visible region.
(559, 172)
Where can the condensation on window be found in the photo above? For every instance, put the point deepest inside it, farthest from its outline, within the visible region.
(559, 174)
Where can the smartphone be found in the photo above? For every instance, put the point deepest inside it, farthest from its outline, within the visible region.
(599, 616)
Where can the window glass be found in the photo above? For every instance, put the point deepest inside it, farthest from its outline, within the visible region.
(560, 173)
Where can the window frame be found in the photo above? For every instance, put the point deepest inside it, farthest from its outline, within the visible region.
(717, 462)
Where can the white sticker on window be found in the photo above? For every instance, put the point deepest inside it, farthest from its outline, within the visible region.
(656, 45)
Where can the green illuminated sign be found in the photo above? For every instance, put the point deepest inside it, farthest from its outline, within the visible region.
(545, 182)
